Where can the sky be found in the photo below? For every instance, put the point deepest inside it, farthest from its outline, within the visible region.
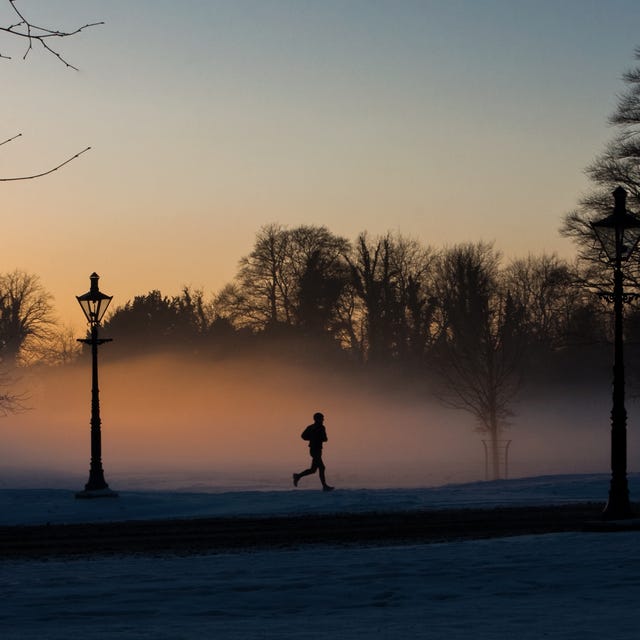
(445, 120)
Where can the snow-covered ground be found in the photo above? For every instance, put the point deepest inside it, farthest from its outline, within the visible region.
(563, 586)
(42, 506)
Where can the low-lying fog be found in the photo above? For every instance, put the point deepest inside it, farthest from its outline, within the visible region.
(168, 422)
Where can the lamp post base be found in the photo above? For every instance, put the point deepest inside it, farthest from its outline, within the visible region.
(96, 493)
(618, 506)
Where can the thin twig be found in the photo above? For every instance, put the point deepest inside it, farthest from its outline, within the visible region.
(10, 139)
(45, 173)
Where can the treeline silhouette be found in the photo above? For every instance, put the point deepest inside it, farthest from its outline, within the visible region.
(383, 302)
(458, 323)
(376, 303)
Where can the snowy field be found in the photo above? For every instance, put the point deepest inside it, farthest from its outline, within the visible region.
(564, 586)
(57, 506)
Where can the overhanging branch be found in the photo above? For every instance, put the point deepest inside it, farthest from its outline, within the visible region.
(33, 33)
(45, 173)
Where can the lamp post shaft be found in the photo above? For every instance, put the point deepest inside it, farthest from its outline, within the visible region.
(618, 234)
(96, 474)
(618, 505)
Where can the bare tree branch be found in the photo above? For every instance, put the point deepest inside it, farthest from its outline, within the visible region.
(33, 33)
(10, 139)
(45, 173)
(12, 403)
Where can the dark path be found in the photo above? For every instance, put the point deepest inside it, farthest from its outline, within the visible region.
(223, 534)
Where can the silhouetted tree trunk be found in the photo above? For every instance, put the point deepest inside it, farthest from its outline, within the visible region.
(414, 300)
(393, 277)
(350, 323)
(372, 278)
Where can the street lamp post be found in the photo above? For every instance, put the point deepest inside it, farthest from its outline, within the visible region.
(94, 303)
(618, 234)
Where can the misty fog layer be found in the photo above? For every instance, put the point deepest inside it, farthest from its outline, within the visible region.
(171, 422)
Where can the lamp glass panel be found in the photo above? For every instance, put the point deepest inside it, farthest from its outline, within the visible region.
(101, 306)
(630, 237)
(94, 305)
(86, 308)
(607, 237)
(619, 231)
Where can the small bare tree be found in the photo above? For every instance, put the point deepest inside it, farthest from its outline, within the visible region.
(479, 351)
(62, 347)
(27, 322)
(9, 402)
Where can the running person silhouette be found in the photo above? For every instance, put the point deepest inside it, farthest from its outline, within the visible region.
(316, 434)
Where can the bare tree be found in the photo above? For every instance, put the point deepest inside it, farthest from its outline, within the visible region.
(62, 347)
(543, 287)
(413, 266)
(27, 322)
(292, 277)
(372, 275)
(264, 288)
(392, 277)
(479, 351)
(618, 165)
(350, 329)
(234, 305)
